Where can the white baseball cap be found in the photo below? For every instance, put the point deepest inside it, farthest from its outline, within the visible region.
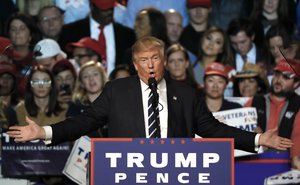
(47, 48)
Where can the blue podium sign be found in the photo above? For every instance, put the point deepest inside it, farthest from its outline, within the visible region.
(162, 161)
(32, 158)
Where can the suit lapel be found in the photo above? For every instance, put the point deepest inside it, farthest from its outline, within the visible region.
(175, 118)
(135, 98)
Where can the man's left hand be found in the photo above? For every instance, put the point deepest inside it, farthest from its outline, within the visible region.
(271, 139)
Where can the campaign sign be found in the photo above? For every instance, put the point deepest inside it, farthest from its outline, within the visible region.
(242, 118)
(32, 158)
(162, 161)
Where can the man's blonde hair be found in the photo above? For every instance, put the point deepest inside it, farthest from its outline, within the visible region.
(147, 43)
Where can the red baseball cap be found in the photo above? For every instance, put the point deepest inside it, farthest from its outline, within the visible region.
(197, 3)
(64, 64)
(284, 67)
(7, 67)
(6, 48)
(85, 42)
(216, 68)
(103, 4)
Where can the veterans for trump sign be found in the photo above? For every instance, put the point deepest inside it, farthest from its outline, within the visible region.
(162, 161)
(242, 118)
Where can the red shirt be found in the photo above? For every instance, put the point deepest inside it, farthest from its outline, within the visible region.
(275, 108)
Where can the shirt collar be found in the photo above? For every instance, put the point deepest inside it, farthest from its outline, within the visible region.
(252, 53)
(161, 86)
(95, 25)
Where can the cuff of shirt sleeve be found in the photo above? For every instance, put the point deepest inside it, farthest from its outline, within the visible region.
(48, 134)
(257, 136)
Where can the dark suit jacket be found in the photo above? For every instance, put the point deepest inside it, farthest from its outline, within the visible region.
(73, 32)
(120, 107)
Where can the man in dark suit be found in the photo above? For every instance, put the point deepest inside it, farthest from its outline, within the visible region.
(242, 38)
(122, 106)
(118, 38)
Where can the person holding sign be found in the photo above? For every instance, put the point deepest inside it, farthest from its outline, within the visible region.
(123, 107)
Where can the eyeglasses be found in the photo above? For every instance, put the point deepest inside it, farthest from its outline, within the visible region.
(35, 83)
(78, 57)
(47, 19)
(285, 74)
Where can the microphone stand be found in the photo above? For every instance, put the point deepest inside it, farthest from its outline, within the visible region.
(298, 75)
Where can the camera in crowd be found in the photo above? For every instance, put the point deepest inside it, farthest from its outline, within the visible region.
(66, 89)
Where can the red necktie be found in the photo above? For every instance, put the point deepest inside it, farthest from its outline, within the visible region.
(102, 45)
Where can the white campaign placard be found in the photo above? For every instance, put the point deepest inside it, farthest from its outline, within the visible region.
(289, 177)
(243, 118)
(14, 181)
(240, 100)
(76, 166)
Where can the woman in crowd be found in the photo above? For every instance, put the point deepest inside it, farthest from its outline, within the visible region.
(267, 13)
(89, 84)
(8, 94)
(214, 47)
(121, 71)
(40, 102)
(23, 33)
(65, 75)
(215, 82)
(41, 106)
(277, 38)
(178, 65)
(250, 81)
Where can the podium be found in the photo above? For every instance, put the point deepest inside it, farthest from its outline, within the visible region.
(162, 161)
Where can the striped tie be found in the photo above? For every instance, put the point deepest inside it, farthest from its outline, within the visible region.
(153, 117)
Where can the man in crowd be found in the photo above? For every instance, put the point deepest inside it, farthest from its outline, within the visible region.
(174, 25)
(85, 50)
(241, 35)
(114, 39)
(199, 16)
(50, 22)
(47, 53)
(280, 107)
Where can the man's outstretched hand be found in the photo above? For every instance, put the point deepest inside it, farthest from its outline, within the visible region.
(271, 139)
(30, 132)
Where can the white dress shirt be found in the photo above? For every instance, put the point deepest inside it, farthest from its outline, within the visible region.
(163, 107)
(251, 58)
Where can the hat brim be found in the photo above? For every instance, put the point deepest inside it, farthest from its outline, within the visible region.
(245, 75)
(216, 73)
(70, 47)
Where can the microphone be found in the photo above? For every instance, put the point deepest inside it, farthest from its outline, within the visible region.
(153, 85)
